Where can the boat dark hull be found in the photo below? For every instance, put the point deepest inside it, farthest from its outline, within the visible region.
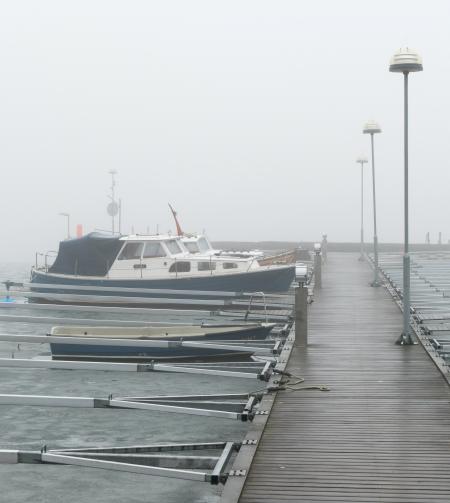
(264, 280)
(141, 354)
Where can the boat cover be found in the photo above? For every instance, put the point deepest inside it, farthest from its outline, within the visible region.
(90, 255)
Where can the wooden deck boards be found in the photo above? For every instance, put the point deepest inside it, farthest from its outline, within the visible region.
(383, 431)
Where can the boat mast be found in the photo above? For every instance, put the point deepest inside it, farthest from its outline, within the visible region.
(174, 213)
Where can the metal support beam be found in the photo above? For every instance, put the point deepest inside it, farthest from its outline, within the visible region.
(148, 311)
(127, 300)
(242, 410)
(135, 459)
(129, 367)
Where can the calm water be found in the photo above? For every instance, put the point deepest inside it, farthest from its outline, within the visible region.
(32, 427)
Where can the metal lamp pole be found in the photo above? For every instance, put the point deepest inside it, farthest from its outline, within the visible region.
(371, 127)
(406, 61)
(362, 160)
(67, 215)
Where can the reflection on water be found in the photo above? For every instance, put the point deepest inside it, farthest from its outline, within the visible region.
(32, 427)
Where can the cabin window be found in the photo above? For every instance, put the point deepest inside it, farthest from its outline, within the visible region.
(173, 247)
(131, 251)
(206, 266)
(192, 247)
(180, 267)
(153, 249)
(230, 265)
(203, 245)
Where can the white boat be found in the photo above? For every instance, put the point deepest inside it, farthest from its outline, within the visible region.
(135, 265)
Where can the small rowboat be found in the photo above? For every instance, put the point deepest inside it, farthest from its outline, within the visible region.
(154, 343)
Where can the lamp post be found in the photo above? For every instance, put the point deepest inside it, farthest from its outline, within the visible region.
(405, 61)
(362, 160)
(372, 128)
(67, 215)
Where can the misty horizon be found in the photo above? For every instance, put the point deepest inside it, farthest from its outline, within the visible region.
(246, 117)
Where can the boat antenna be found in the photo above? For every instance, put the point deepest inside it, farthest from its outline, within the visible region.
(120, 216)
(174, 213)
(113, 208)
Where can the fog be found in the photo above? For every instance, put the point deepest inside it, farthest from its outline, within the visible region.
(245, 115)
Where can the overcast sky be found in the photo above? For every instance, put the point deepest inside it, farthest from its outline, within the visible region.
(245, 115)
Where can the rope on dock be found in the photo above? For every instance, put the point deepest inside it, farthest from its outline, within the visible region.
(288, 385)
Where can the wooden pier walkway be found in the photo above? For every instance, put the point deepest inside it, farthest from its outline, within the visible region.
(382, 434)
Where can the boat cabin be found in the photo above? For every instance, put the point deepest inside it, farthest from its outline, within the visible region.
(163, 256)
(141, 256)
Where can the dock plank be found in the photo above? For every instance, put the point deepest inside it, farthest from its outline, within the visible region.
(382, 432)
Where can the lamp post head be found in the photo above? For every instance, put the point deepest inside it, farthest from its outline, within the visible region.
(405, 60)
(371, 127)
(361, 159)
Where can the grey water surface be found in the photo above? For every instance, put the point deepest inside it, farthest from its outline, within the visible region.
(25, 427)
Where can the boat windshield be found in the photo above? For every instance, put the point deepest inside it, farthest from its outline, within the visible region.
(173, 246)
(204, 245)
(192, 247)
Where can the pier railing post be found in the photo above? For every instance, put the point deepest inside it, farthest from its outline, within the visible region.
(324, 246)
(301, 315)
(317, 267)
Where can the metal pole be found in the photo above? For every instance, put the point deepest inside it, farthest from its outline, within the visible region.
(406, 250)
(66, 215)
(375, 237)
(361, 258)
(406, 335)
(301, 315)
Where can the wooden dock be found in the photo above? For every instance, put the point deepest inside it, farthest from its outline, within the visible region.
(382, 433)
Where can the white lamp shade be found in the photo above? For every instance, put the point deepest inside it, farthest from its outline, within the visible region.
(371, 127)
(406, 60)
(361, 159)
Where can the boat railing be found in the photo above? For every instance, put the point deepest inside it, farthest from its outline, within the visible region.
(254, 294)
(45, 265)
